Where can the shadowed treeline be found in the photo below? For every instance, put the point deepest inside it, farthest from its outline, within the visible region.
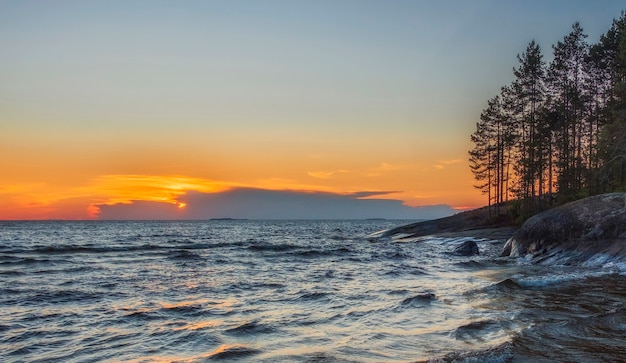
(558, 132)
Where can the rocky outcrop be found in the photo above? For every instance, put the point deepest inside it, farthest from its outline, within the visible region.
(467, 248)
(577, 230)
(478, 223)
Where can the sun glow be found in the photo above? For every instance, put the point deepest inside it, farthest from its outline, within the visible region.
(126, 189)
(156, 188)
(85, 200)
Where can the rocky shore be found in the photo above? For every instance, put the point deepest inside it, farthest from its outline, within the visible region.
(477, 223)
(588, 231)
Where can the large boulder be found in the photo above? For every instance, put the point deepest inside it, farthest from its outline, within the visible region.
(586, 227)
(466, 248)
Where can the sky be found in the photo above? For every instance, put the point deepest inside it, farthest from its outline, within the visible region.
(208, 109)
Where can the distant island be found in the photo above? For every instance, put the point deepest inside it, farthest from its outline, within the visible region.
(228, 219)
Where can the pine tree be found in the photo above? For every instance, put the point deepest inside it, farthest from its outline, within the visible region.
(566, 80)
(490, 158)
(529, 90)
(610, 56)
(481, 161)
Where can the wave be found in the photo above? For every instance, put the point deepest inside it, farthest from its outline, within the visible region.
(312, 296)
(251, 328)
(419, 300)
(496, 354)
(287, 249)
(143, 316)
(189, 310)
(63, 296)
(74, 249)
(476, 329)
(232, 352)
(585, 338)
(272, 247)
(15, 260)
(547, 279)
(90, 249)
(184, 255)
(506, 285)
(555, 279)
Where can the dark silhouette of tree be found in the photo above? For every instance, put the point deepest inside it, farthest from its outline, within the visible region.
(609, 55)
(558, 131)
(566, 85)
(490, 158)
(529, 90)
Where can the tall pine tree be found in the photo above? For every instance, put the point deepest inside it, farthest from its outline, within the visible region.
(529, 89)
(566, 84)
(611, 57)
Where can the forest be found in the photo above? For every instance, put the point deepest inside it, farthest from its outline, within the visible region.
(557, 132)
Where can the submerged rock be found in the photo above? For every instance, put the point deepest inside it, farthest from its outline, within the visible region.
(585, 227)
(467, 248)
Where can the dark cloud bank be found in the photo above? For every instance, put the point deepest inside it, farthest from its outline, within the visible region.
(246, 203)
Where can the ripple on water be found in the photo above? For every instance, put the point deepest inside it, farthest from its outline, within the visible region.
(419, 300)
(251, 328)
(230, 352)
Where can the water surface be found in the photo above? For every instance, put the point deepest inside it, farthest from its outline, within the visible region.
(291, 291)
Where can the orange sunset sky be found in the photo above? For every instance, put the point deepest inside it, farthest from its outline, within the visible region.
(117, 102)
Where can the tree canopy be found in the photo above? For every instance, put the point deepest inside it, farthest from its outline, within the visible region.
(558, 132)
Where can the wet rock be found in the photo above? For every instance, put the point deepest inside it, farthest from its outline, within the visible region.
(592, 225)
(467, 248)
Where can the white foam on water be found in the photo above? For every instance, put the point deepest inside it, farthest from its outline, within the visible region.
(548, 280)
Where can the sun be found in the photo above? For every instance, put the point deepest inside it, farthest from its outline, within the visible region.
(181, 205)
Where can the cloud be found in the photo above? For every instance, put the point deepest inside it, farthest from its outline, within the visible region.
(326, 174)
(443, 163)
(181, 197)
(140, 210)
(250, 203)
(369, 194)
(384, 168)
(124, 189)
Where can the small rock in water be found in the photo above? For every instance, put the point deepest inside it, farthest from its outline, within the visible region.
(467, 248)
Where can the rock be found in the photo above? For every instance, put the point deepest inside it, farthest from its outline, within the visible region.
(592, 225)
(480, 223)
(467, 248)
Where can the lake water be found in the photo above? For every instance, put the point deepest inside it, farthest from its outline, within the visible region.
(294, 291)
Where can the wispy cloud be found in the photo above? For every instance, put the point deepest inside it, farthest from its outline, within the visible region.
(370, 194)
(385, 168)
(326, 174)
(441, 164)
